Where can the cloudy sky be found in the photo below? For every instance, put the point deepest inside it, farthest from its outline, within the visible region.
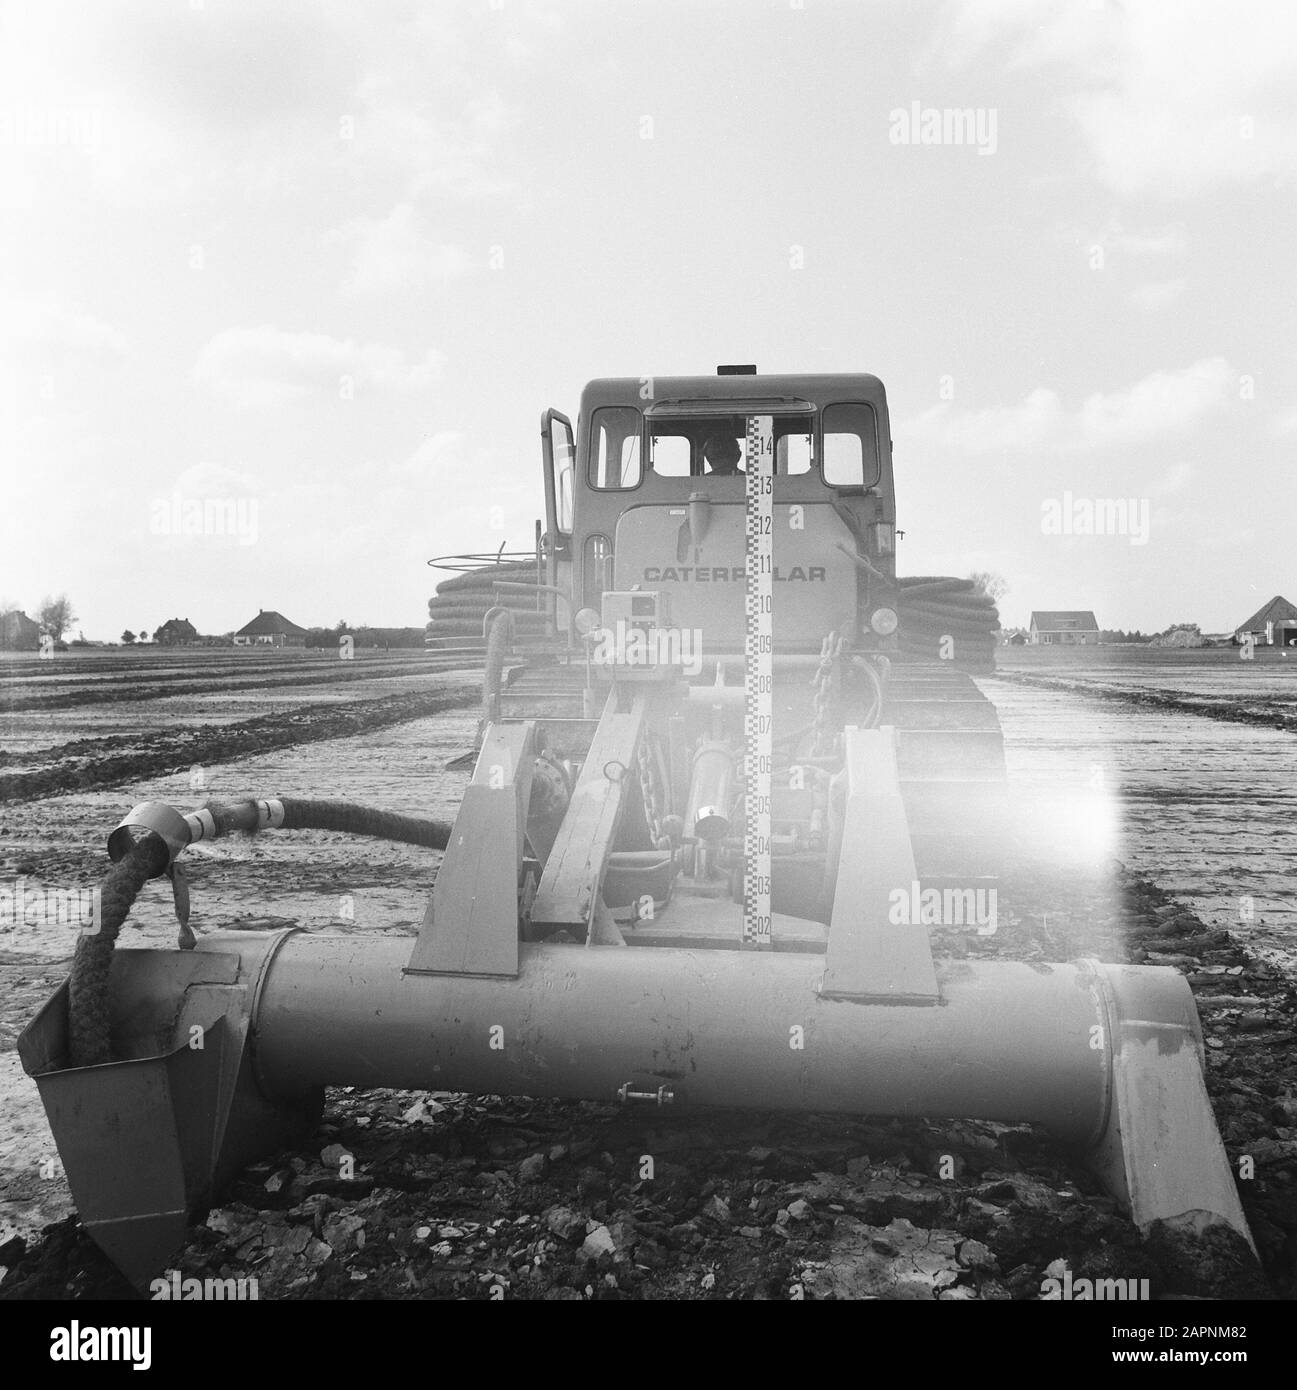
(324, 264)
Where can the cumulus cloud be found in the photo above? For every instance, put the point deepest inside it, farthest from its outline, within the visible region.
(1162, 404)
(1030, 424)
(1151, 241)
(453, 455)
(217, 100)
(59, 330)
(1157, 294)
(432, 152)
(264, 365)
(396, 253)
(1170, 96)
(441, 455)
(238, 64)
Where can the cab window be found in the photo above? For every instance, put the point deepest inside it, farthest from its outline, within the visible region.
(718, 447)
(850, 446)
(669, 456)
(792, 454)
(563, 469)
(615, 448)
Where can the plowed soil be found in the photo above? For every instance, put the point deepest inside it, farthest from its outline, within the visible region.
(448, 1196)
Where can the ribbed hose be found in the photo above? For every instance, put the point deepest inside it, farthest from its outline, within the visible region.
(361, 820)
(88, 1011)
(88, 1043)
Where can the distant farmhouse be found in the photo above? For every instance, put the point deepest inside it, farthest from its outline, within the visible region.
(270, 629)
(176, 632)
(1068, 627)
(18, 633)
(1274, 624)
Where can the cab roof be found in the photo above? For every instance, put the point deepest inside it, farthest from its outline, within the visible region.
(769, 389)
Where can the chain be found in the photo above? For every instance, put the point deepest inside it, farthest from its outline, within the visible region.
(650, 783)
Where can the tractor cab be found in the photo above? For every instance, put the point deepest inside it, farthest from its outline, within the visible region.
(649, 493)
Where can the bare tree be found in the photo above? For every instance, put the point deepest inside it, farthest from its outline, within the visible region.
(994, 586)
(55, 616)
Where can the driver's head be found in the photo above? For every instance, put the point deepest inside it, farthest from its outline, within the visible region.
(722, 453)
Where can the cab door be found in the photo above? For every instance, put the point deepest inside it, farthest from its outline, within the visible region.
(558, 448)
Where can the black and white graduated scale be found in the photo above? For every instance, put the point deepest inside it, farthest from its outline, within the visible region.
(758, 678)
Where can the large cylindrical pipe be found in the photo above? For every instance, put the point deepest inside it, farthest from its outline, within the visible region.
(1007, 1042)
(711, 791)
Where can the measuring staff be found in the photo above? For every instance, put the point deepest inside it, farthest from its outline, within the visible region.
(758, 679)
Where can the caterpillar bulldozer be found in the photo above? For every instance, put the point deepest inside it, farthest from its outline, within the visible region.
(727, 765)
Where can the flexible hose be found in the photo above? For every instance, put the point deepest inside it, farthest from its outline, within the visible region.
(362, 820)
(88, 1042)
(88, 1003)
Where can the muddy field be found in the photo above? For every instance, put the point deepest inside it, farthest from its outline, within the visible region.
(1154, 824)
(1219, 681)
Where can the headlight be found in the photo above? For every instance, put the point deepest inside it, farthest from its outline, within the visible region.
(883, 621)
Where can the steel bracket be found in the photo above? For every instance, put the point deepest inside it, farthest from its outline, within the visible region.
(870, 959)
(471, 925)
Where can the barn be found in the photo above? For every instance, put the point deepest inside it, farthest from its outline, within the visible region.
(1273, 624)
(176, 632)
(18, 633)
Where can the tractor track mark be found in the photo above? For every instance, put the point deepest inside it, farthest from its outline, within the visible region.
(131, 692)
(159, 754)
(1163, 701)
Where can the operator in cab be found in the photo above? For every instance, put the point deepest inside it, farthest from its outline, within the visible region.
(721, 454)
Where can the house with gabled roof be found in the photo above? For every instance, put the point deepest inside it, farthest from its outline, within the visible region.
(1073, 627)
(270, 629)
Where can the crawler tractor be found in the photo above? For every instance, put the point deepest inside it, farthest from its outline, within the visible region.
(727, 764)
